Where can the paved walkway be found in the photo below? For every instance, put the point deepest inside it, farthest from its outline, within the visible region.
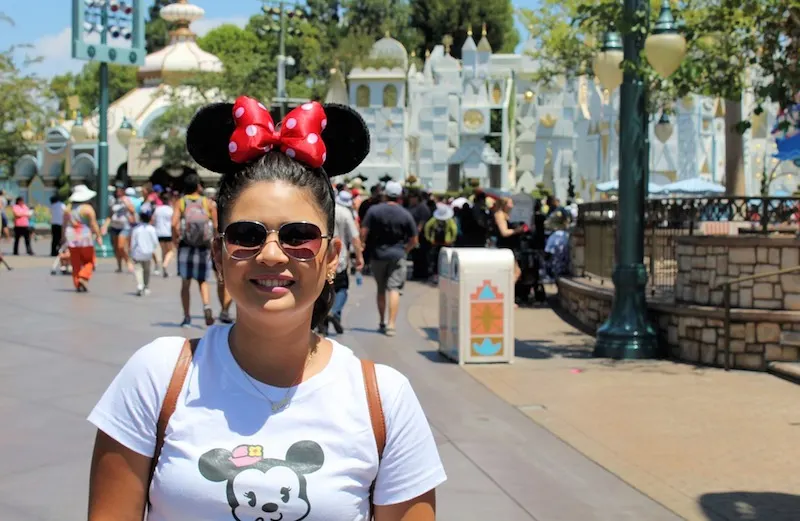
(707, 444)
(59, 353)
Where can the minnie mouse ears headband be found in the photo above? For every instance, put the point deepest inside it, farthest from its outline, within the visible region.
(224, 137)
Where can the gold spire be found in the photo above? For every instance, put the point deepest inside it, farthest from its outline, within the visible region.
(483, 29)
(469, 30)
(413, 54)
(447, 41)
(427, 53)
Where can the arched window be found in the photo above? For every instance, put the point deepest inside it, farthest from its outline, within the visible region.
(362, 96)
(390, 96)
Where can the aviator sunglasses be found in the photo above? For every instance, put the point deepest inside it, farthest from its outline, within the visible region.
(299, 240)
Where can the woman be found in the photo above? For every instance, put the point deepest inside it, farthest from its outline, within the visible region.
(507, 237)
(162, 221)
(80, 224)
(122, 217)
(271, 422)
(22, 225)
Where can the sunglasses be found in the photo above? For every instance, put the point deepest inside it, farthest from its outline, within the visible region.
(299, 240)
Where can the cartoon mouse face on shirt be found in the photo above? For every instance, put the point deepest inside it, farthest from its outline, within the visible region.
(264, 489)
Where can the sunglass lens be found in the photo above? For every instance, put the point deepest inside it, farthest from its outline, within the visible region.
(300, 240)
(244, 239)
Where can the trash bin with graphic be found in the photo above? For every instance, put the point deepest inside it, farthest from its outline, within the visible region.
(446, 288)
(481, 306)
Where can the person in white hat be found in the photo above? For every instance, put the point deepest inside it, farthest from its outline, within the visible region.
(440, 231)
(81, 231)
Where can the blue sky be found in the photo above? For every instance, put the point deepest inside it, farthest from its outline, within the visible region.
(45, 24)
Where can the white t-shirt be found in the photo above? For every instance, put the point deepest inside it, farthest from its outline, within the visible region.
(226, 456)
(143, 242)
(162, 220)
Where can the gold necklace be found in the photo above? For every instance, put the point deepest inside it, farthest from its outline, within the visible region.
(277, 406)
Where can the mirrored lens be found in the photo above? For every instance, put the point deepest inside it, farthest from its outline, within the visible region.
(300, 240)
(244, 239)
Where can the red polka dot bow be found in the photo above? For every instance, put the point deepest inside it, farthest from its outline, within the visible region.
(298, 137)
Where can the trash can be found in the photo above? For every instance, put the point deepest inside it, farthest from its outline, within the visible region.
(445, 298)
(481, 306)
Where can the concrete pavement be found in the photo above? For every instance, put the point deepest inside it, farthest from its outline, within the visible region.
(708, 444)
(59, 352)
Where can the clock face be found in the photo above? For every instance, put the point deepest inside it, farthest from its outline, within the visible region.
(473, 119)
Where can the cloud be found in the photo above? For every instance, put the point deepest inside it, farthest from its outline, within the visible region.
(55, 50)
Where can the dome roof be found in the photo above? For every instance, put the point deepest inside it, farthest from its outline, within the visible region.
(387, 48)
(182, 56)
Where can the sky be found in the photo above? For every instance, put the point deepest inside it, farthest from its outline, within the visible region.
(46, 26)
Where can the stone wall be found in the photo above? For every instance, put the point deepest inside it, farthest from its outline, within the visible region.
(705, 261)
(695, 334)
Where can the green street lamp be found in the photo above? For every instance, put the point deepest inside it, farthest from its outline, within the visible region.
(627, 334)
(278, 14)
(120, 27)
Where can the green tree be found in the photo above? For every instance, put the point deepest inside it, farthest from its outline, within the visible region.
(437, 18)
(86, 85)
(166, 137)
(156, 30)
(21, 93)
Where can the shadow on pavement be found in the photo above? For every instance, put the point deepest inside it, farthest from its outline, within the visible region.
(435, 356)
(543, 349)
(750, 506)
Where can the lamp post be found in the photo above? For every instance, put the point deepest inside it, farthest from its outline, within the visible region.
(279, 12)
(119, 20)
(627, 334)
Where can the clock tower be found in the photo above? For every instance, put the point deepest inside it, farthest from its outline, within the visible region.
(474, 158)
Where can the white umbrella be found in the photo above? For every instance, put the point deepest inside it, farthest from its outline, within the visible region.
(695, 186)
(613, 186)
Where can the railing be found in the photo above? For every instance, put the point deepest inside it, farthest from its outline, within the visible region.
(726, 302)
(669, 218)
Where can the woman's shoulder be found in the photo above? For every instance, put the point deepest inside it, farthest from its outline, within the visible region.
(391, 382)
(155, 361)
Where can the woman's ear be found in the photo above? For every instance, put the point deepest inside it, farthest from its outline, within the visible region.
(335, 249)
(216, 256)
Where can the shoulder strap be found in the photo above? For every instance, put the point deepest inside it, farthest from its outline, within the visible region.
(171, 401)
(375, 416)
(374, 404)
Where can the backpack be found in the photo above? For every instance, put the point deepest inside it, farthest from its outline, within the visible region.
(179, 377)
(440, 233)
(197, 230)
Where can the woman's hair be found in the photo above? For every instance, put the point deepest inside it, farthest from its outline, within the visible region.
(276, 166)
(19, 199)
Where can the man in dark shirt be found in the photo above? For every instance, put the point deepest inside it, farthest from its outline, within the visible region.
(390, 233)
(421, 214)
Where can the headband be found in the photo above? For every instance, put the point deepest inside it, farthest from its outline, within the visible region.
(225, 137)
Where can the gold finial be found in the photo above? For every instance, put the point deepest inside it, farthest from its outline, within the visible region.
(469, 30)
(427, 53)
(447, 41)
(413, 54)
(483, 29)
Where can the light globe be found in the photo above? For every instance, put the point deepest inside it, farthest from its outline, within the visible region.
(665, 48)
(663, 129)
(607, 65)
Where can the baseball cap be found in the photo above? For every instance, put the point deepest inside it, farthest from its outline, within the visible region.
(393, 189)
(130, 192)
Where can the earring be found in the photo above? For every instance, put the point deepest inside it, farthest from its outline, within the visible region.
(331, 276)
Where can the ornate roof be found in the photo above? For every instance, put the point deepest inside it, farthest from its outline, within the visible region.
(182, 56)
(390, 49)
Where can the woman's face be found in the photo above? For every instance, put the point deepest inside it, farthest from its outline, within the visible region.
(273, 204)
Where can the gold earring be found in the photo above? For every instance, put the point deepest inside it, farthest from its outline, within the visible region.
(331, 276)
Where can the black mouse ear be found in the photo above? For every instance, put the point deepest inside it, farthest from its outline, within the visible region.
(346, 139)
(208, 135)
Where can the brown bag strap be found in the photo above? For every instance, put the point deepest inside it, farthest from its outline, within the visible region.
(374, 404)
(375, 416)
(171, 401)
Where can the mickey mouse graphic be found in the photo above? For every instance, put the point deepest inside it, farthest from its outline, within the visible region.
(264, 489)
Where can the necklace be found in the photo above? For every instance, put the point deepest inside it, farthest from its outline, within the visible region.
(277, 406)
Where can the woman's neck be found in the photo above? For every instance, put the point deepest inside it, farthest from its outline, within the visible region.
(280, 359)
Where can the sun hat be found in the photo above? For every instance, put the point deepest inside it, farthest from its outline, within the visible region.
(443, 212)
(344, 198)
(130, 192)
(81, 194)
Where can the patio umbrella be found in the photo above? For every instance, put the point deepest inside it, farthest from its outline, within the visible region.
(695, 186)
(613, 186)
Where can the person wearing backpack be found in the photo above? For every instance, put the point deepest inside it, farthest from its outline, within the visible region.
(440, 231)
(198, 216)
